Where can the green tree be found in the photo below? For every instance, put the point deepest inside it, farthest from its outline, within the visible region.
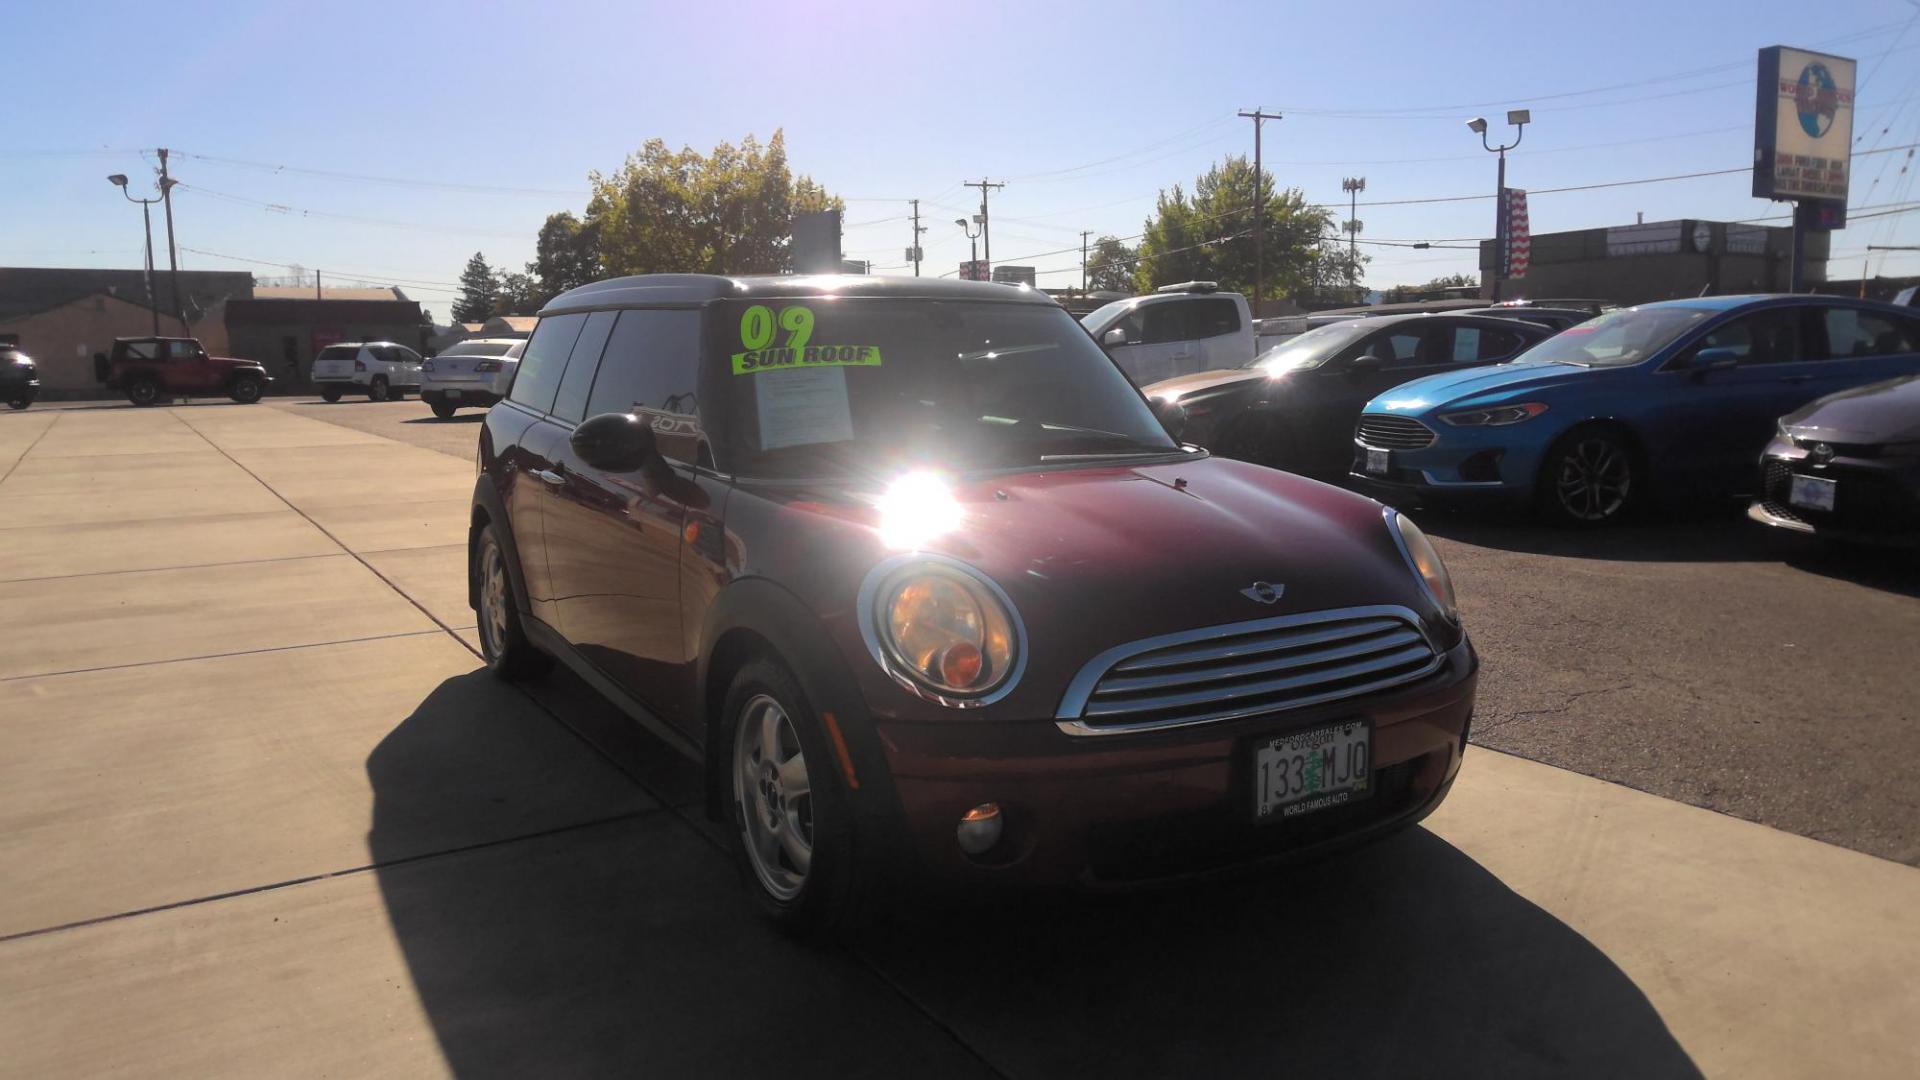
(729, 212)
(1111, 264)
(566, 256)
(1431, 290)
(1210, 237)
(477, 286)
(517, 294)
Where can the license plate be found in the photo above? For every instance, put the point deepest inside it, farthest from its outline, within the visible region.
(453, 393)
(1378, 461)
(1812, 492)
(1305, 771)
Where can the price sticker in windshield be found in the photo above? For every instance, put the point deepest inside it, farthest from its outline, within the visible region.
(759, 326)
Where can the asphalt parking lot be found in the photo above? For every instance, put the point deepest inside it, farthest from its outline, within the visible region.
(261, 813)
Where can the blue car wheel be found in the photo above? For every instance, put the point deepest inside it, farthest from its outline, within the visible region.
(1591, 477)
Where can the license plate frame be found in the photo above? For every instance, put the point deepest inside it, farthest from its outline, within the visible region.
(1266, 806)
(1812, 492)
(1379, 462)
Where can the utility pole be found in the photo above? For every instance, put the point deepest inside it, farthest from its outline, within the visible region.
(317, 295)
(986, 232)
(173, 254)
(1083, 260)
(913, 252)
(1259, 207)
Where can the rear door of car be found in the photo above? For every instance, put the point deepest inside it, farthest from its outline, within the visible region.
(615, 537)
(1853, 345)
(406, 365)
(1223, 337)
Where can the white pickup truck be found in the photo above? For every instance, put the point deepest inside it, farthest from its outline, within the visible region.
(381, 370)
(1177, 330)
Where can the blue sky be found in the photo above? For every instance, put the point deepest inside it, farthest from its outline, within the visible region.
(1085, 111)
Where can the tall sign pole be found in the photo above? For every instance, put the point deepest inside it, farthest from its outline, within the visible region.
(1259, 208)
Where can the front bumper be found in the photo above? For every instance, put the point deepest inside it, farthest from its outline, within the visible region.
(1124, 811)
(1464, 465)
(1876, 499)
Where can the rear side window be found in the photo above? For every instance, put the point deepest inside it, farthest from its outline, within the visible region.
(546, 358)
(339, 352)
(1853, 332)
(651, 368)
(1475, 344)
(1213, 318)
(571, 403)
(143, 350)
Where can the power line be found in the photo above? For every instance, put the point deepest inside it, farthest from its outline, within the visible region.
(296, 211)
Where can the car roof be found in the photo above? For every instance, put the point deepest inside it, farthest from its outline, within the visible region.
(487, 341)
(648, 290)
(1758, 300)
(1472, 318)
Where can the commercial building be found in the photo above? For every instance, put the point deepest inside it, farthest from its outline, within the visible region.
(1659, 260)
(286, 333)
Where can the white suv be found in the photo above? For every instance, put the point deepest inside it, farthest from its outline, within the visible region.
(379, 369)
(1178, 330)
(477, 372)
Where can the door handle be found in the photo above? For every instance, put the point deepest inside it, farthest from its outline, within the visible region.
(551, 477)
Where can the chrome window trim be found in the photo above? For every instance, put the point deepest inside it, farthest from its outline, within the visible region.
(1068, 717)
(890, 568)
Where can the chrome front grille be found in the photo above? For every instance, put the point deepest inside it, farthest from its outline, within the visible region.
(1394, 432)
(1245, 669)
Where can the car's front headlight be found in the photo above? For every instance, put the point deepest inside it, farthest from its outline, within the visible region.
(1425, 561)
(941, 629)
(1495, 416)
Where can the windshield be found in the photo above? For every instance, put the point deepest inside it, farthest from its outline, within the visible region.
(844, 388)
(1097, 319)
(1311, 349)
(1618, 338)
(480, 348)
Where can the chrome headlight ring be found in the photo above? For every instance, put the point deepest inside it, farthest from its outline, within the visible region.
(880, 586)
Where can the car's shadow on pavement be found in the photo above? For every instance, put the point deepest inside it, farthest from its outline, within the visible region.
(456, 418)
(628, 945)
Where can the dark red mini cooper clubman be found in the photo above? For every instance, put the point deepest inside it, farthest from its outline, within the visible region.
(928, 586)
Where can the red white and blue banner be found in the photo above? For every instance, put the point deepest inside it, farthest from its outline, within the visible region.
(1519, 236)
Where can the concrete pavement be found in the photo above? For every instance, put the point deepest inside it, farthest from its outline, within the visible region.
(261, 814)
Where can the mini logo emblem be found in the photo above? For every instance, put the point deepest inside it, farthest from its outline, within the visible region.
(1264, 593)
(1820, 454)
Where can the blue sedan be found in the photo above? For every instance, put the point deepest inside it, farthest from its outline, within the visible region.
(1675, 398)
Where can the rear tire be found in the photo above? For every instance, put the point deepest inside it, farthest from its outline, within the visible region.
(378, 390)
(19, 402)
(246, 389)
(794, 828)
(503, 639)
(330, 395)
(144, 391)
(1591, 478)
(443, 410)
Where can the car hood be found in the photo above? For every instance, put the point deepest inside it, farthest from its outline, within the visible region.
(1092, 558)
(232, 362)
(1218, 379)
(1475, 386)
(1878, 413)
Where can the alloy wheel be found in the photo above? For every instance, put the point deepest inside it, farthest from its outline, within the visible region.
(774, 796)
(493, 601)
(144, 392)
(1595, 479)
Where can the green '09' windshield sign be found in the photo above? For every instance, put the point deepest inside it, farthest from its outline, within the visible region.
(757, 331)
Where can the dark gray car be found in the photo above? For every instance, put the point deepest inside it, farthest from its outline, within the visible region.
(1295, 406)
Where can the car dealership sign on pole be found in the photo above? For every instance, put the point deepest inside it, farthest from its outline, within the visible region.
(1803, 125)
(1803, 139)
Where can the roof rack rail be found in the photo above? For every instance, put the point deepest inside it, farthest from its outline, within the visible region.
(1190, 286)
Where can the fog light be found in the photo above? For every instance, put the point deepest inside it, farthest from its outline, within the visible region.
(980, 829)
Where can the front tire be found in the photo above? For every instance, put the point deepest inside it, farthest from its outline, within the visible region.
(144, 391)
(503, 638)
(793, 825)
(378, 390)
(247, 389)
(1591, 478)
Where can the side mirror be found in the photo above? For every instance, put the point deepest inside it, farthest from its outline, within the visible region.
(1172, 414)
(1113, 337)
(615, 442)
(1718, 359)
(1369, 362)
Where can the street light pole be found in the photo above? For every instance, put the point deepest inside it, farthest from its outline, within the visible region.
(973, 245)
(119, 180)
(1519, 118)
